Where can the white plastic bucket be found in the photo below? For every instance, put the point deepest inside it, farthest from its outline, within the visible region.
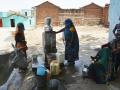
(60, 56)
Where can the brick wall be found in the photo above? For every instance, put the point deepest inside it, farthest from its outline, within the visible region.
(47, 10)
(91, 14)
(74, 14)
(105, 15)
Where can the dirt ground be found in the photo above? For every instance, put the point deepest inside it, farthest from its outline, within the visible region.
(90, 38)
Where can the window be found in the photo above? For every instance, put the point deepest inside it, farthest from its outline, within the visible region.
(30, 22)
(25, 13)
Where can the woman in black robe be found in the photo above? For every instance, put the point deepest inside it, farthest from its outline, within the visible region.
(71, 42)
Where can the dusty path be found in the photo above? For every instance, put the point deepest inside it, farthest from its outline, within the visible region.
(90, 39)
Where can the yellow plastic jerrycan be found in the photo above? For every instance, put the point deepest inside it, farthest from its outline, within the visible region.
(54, 67)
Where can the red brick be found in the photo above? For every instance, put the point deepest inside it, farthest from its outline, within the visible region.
(91, 14)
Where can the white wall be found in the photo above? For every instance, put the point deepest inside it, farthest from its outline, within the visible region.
(26, 10)
(114, 13)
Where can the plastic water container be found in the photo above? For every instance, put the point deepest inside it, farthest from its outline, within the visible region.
(54, 67)
(41, 59)
(85, 71)
(34, 59)
(60, 57)
(38, 60)
(41, 71)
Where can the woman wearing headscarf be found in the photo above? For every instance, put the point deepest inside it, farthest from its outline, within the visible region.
(71, 41)
(20, 38)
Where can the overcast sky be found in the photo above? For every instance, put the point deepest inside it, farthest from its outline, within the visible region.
(6, 5)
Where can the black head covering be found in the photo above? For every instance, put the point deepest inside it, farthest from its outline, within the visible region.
(68, 23)
(21, 26)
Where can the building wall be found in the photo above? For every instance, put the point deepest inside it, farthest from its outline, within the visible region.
(91, 14)
(0, 14)
(6, 22)
(74, 14)
(4, 14)
(28, 20)
(33, 13)
(25, 11)
(93, 11)
(47, 10)
(24, 20)
(114, 14)
(105, 15)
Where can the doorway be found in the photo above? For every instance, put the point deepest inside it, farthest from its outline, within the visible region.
(12, 21)
(0, 22)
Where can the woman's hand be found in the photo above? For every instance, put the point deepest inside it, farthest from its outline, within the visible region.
(60, 30)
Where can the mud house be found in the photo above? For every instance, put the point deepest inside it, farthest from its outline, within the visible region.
(91, 14)
(47, 9)
(11, 18)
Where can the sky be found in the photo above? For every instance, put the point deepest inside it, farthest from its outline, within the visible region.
(6, 5)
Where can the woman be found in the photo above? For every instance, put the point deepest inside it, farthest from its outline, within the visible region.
(71, 42)
(99, 69)
(116, 30)
(20, 38)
